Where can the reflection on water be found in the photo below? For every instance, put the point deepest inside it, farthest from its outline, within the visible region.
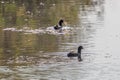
(28, 56)
(36, 13)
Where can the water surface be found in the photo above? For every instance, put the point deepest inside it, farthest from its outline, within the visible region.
(39, 56)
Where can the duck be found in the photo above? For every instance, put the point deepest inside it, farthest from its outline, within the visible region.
(78, 54)
(59, 25)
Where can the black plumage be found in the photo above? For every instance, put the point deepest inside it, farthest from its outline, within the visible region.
(78, 54)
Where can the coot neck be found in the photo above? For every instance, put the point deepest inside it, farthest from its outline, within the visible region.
(79, 50)
(60, 24)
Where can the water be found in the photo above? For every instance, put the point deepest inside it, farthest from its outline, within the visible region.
(42, 56)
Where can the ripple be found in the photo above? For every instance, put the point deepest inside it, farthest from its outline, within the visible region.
(48, 30)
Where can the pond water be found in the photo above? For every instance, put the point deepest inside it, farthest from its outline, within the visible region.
(28, 54)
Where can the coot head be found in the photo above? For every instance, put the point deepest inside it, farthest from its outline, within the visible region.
(61, 22)
(79, 49)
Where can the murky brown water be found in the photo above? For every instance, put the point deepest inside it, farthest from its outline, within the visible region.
(29, 55)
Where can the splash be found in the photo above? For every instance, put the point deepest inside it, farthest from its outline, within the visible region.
(48, 30)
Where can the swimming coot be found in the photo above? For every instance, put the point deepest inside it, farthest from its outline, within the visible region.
(78, 54)
(59, 25)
